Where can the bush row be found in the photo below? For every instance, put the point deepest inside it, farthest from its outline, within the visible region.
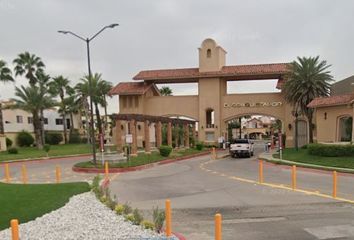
(327, 150)
(102, 192)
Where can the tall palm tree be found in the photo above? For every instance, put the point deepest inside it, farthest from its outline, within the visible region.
(5, 76)
(82, 97)
(60, 87)
(32, 99)
(166, 91)
(309, 78)
(104, 88)
(43, 82)
(99, 89)
(28, 64)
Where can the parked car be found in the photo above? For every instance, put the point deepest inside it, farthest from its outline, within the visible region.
(242, 147)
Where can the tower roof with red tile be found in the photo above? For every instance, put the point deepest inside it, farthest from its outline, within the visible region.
(131, 88)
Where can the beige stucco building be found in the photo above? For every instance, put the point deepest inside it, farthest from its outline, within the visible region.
(212, 108)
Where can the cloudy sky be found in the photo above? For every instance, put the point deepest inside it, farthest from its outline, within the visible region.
(159, 34)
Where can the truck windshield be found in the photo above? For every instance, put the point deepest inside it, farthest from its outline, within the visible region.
(241, 141)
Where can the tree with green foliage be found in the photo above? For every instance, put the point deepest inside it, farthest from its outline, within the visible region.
(99, 91)
(60, 86)
(28, 65)
(5, 77)
(166, 91)
(32, 99)
(308, 79)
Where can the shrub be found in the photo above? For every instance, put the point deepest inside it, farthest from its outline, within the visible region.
(138, 217)
(327, 150)
(119, 209)
(53, 138)
(74, 137)
(8, 142)
(83, 140)
(158, 218)
(199, 146)
(127, 209)
(148, 225)
(165, 151)
(304, 146)
(129, 217)
(24, 139)
(12, 150)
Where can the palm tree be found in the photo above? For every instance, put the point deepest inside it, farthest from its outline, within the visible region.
(82, 97)
(104, 88)
(309, 78)
(60, 86)
(43, 81)
(5, 76)
(166, 91)
(28, 64)
(99, 89)
(32, 99)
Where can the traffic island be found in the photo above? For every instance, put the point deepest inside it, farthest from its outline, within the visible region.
(140, 162)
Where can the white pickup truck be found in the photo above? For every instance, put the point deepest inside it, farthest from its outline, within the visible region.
(241, 147)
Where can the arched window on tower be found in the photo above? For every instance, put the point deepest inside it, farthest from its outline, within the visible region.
(209, 53)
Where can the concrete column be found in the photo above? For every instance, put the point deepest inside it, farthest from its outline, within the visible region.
(169, 134)
(147, 136)
(134, 147)
(186, 135)
(158, 129)
(176, 130)
(119, 131)
(194, 135)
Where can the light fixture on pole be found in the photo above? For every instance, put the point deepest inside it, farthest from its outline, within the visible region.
(88, 40)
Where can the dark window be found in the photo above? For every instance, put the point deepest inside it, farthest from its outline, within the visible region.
(19, 119)
(30, 120)
(45, 121)
(208, 53)
(68, 124)
(210, 118)
(59, 121)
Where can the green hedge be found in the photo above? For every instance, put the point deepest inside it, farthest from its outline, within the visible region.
(328, 150)
(53, 138)
(24, 139)
(199, 146)
(165, 150)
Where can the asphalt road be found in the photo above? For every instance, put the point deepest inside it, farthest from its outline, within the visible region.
(200, 187)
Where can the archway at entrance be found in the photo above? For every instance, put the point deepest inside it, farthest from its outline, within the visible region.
(253, 126)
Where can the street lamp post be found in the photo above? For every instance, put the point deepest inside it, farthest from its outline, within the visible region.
(88, 40)
(296, 115)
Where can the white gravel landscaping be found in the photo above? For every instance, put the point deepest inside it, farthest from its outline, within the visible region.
(83, 217)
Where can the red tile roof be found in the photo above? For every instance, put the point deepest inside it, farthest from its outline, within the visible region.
(227, 71)
(129, 88)
(331, 101)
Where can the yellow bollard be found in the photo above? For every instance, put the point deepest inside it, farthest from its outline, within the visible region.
(14, 229)
(168, 218)
(58, 174)
(24, 174)
(261, 179)
(106, 170)
(293, 177)
(334, 184)
(7, 173)
(218, 235)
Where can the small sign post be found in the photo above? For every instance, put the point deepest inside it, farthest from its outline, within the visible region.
(102, 148)
(129, 141)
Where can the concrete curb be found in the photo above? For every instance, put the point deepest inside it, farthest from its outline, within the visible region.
(269, 158)
(138, 168)
(179, 236)
(46, 158)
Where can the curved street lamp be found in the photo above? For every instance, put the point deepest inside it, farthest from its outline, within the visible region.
(88, 40)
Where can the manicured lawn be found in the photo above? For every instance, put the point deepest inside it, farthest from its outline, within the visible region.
(142, 159)
(55, 150)
(303, 157)
(27, 202)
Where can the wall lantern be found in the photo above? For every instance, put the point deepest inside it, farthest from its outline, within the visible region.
(290, 126)
(202, 127)
(325, 115)
(216, 126)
